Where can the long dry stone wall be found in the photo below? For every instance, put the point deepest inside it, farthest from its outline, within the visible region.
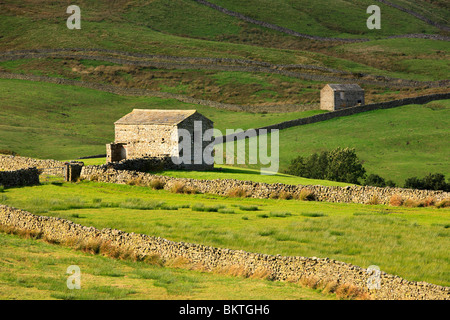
(348, 194)
(334, 114)
(12, 163)
(126, 171)
(363, 78)
(174, 62)
(19, 178)
(278, 268)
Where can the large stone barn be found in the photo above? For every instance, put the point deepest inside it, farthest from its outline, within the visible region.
(339, 96)
(161, 133)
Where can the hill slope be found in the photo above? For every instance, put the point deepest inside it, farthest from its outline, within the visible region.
(394, 143)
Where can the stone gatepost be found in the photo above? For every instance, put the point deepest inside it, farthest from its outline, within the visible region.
(72, 171)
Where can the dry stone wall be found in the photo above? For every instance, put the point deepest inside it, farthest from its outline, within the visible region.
(129, 170)
(19, 178)
(279, 268)
(12, 163)
(119, 173)
(335, 114)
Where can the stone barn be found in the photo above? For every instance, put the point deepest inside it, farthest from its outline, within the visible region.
(147, 133)
(339, 96)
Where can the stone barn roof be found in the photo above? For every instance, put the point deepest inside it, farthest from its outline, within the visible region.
(155, 117)
(345, 87)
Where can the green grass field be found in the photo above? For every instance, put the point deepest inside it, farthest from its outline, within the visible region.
(394, 143)
(35, 270)
(409, 242)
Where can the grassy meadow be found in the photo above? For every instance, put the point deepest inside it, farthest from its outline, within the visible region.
(409, 242)
(32, 269)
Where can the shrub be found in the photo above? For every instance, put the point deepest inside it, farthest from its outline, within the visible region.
(348, 291)
(202, 208)
(139, 181)
(413, 183)
(429, 201)
(396, 200)
(443, 203)
(273, 195)
(249, 208)
(306, 195)
(390, 183)
(280, 214)
(153, 259)
(261, 273)
(2, 188)
(237, 192)
(92, 246)
(330, 287)
(284, 195)
(375, 181)
(432, 181)
(435, 181)
(374, 200)
(157, 184)
(190, 190)
(180, 187)
(411, 203)
(337, 165)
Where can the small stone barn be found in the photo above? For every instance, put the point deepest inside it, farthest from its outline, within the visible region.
(156, 133)
(339, 96)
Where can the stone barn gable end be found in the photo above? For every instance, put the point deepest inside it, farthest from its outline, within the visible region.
(154, 133)
(339, 96)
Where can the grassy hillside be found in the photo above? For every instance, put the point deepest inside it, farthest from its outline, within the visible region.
(340, 19)
(409, 242)
(190, 18)
(394, 143)
(156, 28)
(53, 121)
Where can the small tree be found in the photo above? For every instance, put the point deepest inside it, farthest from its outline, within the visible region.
(344, 166)
(297, 167)
(432, 181)
(337, 165)
(390, 183)
(375, 180)
(435, 181)
(413, 183)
